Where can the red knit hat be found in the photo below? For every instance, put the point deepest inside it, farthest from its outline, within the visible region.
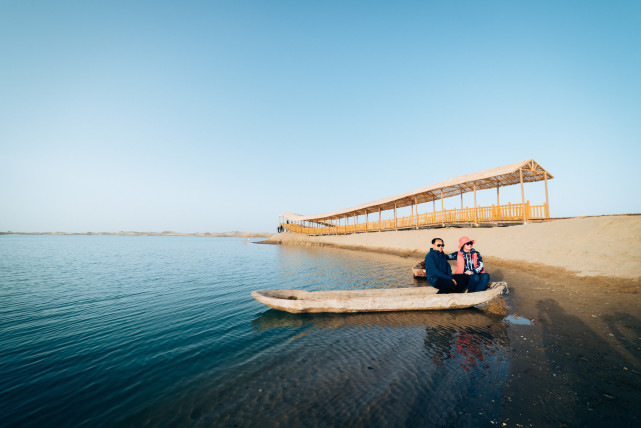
(464, 240)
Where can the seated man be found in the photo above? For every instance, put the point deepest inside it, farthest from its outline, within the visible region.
(439, 272)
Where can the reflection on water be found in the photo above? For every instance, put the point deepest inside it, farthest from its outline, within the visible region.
(515, 319)
(421, 367)
(466, 335)
(161, 331)
(467, 338)
(273, 318)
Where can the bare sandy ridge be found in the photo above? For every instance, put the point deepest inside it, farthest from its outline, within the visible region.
(608, 246)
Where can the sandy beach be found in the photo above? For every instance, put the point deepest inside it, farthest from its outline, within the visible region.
(607, 246)
(577, 280)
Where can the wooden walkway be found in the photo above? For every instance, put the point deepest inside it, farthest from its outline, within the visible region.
(492, 214)
(338, 222)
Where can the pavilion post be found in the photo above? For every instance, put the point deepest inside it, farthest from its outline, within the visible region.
(476, 211)
(496, 214)
(522, 195)
(461, 198)
(416, 203)
(379, 219)
(547, 201)
(395, 222)
(442, 209)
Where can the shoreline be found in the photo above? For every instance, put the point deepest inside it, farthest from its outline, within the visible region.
(202, 234)
(599, 247)
(576, 361)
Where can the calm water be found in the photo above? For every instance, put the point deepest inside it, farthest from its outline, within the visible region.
(162, 331)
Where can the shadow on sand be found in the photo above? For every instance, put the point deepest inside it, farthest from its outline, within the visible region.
(576, 377)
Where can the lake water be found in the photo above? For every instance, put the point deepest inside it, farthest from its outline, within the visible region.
(162, 331)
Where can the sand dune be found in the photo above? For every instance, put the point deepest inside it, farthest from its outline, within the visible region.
(586, 246)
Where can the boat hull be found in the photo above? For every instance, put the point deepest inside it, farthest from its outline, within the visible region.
(419, 270)
(374, 300)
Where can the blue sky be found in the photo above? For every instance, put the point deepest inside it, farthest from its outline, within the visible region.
(209, 116)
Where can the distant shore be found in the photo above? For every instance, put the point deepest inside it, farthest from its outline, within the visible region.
(204, 234)
(602, 246)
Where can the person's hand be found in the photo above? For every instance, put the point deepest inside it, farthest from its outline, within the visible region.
(469, 272)
(454, 281)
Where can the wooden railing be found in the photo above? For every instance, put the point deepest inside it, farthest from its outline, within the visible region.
(494, 213)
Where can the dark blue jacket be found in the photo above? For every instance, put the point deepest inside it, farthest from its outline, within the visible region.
(436, 266)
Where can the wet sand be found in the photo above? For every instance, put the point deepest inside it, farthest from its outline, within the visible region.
(579, 362)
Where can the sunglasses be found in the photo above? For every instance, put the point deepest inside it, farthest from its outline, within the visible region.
(469, 243)
(440, 245)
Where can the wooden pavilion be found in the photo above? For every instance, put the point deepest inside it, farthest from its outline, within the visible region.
(338, 222)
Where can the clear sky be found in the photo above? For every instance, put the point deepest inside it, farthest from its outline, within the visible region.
(211, 116)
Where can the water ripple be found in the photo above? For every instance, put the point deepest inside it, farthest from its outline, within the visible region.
(162, 331)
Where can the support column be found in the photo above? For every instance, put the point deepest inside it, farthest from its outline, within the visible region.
(476, 211)
(442, 209)
(547, 201)
(522, 195)
(433, 209)
(395, 222)
(379, 219)
(496, 214)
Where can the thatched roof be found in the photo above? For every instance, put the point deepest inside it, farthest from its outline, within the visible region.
(502, 176)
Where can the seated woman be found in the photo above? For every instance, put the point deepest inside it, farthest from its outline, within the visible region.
(469, 261)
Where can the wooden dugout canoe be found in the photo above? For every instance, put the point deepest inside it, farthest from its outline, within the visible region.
(374, 300)
(419, 270)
